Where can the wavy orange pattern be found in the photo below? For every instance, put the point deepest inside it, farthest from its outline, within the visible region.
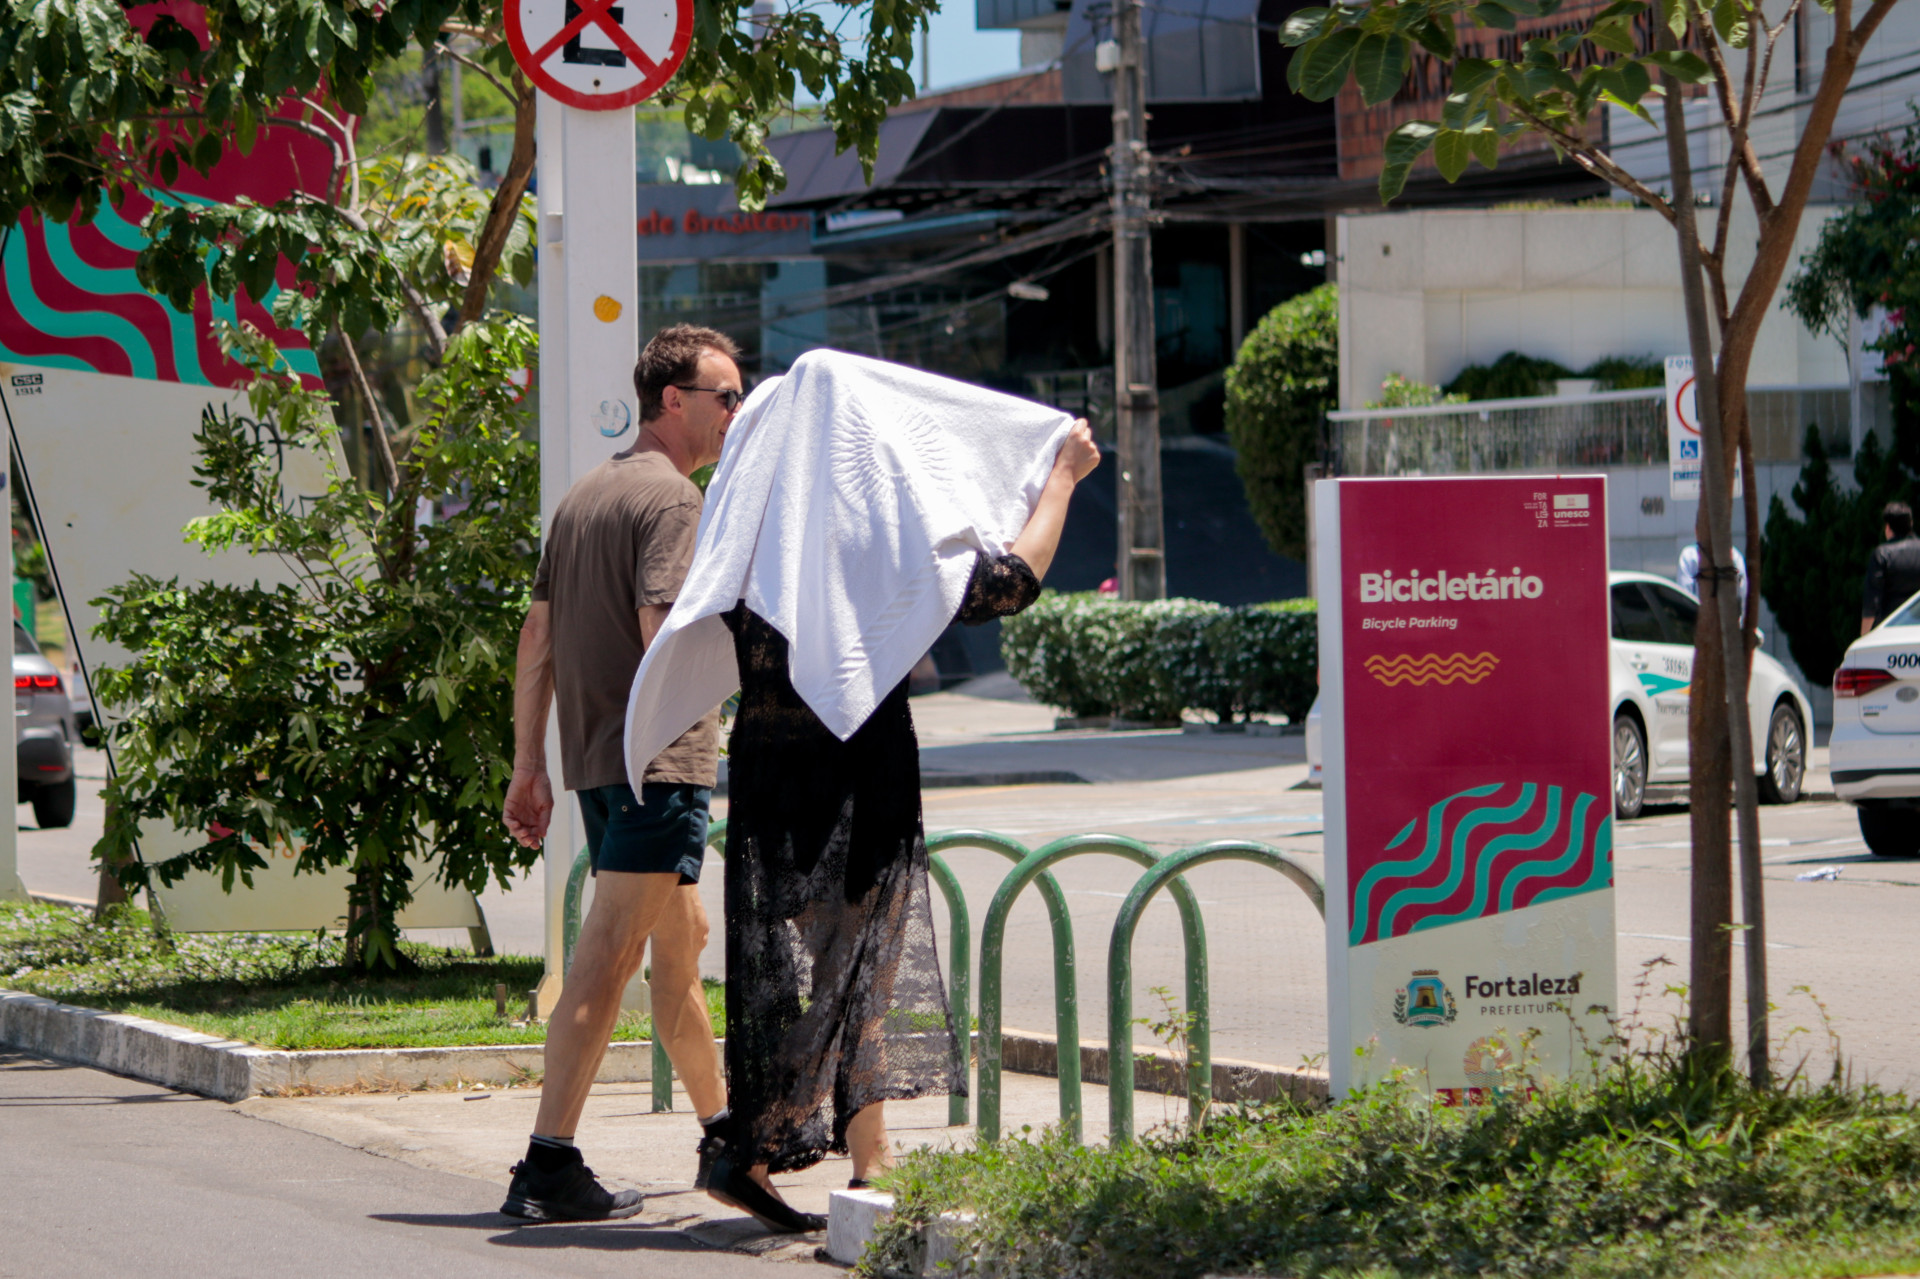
(1431, 668)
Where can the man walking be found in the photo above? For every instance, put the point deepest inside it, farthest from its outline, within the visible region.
(616, 554)
(1893, 570)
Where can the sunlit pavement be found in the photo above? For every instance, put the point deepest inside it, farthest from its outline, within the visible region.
(1847, 940)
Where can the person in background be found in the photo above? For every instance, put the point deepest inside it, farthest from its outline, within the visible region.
(1893, 570)
(1689, 574)
(616, 556)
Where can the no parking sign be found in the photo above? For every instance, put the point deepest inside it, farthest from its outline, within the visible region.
(599, 55)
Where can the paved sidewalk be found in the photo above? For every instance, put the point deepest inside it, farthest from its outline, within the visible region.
(479, 1134)
(109, 1177)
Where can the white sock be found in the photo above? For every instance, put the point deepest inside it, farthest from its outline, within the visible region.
(717, 1117)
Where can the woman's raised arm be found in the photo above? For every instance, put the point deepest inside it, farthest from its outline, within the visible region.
(1041, 537)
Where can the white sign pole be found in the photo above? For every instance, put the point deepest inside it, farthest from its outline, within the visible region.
(589, 339)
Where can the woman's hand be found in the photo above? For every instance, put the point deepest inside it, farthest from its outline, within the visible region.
(1078, 453)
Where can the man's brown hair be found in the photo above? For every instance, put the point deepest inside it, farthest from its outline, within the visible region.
(673, 359)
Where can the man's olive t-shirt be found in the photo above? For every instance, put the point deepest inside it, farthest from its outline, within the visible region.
(622, 538)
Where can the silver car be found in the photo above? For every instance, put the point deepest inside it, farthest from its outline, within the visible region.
(44, 732)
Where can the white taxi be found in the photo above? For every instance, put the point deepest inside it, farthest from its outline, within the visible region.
(1875, 748)
(1651, 671)
(1652, 646)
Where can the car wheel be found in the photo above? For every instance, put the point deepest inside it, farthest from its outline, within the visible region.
(1889, 831)
(1786, 757)
(53, 805)
(1629, 766)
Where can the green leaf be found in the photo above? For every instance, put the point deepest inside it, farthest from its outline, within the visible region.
(1485, 144)
(246, 128)
(1379, 66)
(1410, 141)
(1613, 36)
(1633, 106)
(1303, 25)
(1328, 59)
(1471, 74)
(1436, 36)
(1451, 151)
(1635, 81)
(1492, 15)
(1731, 23)
(1621, 9)
(1688, 68)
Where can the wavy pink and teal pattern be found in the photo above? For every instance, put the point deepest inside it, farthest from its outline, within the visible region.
(1483, 851)
(69, 299)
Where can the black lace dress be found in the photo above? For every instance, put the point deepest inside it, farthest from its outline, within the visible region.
(834, 993)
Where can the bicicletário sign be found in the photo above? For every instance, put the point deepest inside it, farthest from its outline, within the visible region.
(1468, 801)
(599, 55)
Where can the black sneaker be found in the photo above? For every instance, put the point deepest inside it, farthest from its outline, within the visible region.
(566, 1193)
(710, 1147)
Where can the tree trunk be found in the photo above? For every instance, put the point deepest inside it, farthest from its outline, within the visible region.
(505, 208)
(1709, 728)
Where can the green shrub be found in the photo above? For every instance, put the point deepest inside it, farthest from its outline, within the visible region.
(1511, 377)
(1281, 384)
(1154, 659)
(1645, 1172)
(1627, 372)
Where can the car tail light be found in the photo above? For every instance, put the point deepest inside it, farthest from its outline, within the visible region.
(35, 683)
(1853, 681)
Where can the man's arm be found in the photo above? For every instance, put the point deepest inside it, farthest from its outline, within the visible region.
(529, 805)
(652, 618)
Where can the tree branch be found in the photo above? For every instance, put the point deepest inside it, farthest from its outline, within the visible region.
(1735, 118)
(1596, 162)
(491, 78)
(364, 389)
(507, 199)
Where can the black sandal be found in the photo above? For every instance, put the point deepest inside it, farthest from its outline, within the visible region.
(732, 1186)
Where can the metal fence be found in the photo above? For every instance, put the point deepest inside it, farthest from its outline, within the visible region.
(1609, 428)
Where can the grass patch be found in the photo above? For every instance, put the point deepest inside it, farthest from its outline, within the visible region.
(277, 990)
(1648, 1171)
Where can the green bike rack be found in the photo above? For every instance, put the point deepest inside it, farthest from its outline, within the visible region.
(961, 929)
(961, 926)
(1065, 996)
(1120, 975)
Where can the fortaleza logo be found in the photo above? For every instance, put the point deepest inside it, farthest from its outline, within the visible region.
(1415, 587)
(1425, 1001)
(1521, 987)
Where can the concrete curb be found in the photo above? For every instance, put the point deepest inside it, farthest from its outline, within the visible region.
(1156, 1070)
(228, 1070)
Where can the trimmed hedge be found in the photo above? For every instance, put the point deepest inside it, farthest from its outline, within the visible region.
(1150, 660)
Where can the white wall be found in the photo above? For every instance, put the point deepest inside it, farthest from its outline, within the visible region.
(1425, 294)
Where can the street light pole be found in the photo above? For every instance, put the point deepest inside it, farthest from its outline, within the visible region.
(1143, 561)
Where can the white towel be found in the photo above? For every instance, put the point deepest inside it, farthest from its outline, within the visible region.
(851, 499)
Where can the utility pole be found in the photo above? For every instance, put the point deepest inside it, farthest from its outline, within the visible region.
(1143, 558)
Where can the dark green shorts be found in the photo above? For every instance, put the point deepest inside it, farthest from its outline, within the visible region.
(664, 832)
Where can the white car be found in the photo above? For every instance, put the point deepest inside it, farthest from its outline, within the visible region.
(1652, 669)
(1875, 748)
(1652, 666)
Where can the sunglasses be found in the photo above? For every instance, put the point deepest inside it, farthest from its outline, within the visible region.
(729, 398)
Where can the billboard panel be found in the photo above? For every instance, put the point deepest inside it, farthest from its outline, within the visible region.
(1469, 818)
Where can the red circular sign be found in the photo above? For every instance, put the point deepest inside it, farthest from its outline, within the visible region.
(1682, 401)
(599, 55)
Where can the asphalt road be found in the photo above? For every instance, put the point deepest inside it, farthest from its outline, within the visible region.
(1847, 942)
(106, 1176)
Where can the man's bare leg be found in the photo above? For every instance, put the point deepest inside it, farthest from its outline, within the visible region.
(680, 1015)
(626, 908)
